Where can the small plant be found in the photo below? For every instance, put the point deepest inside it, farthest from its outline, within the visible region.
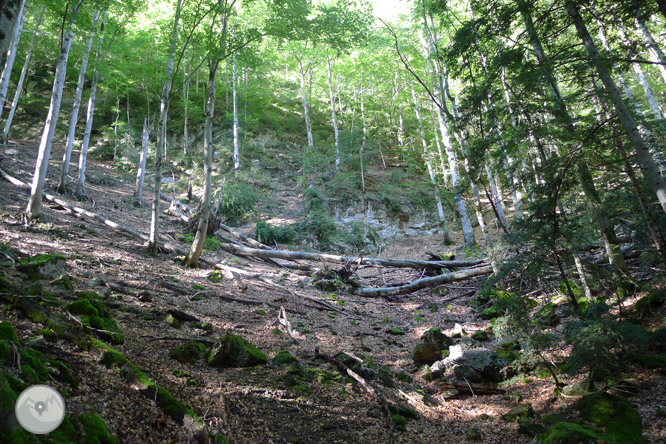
(238, 201)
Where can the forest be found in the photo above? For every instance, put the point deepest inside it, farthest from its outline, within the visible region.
(333, 221)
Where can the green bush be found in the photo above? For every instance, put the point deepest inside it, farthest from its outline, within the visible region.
(238, 201)
(270, 234)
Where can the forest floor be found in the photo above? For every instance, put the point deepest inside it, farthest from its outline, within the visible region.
(261, 404)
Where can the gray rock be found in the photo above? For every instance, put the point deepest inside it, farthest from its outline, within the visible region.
(531, 429)
(522, 413)
(234, 351)
(474, 365)
(36, 342)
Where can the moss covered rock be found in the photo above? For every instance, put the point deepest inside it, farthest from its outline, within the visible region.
(570, 433)
(95, 430)
(620, 421)
(653, 301)
(284, 358)
(188, 353)
(234, 351)
(547, 315)
(94, 313)
(8, 333)
(522, 413)
(426, 353)
(434, 335)
(43, 266)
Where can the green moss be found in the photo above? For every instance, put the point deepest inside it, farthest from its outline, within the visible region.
(508, 355)
(547, 316)
(261, 312)
(66, 433)
(284, 358)
(234, 351)
(570, 433)
(33, 358)
(83, 307)
(95, 430)
(653, 301)
(215, 276)
(619, 419)
(6, 285)
(39, 260)
(396, 331)
(168, 403)
(403, 377)
(64, 282)
(8, 332)
(64, 373)
(399, 422)
(29, 375)
(480, 336)
(491, 312)
(653, 361)
(188, 353)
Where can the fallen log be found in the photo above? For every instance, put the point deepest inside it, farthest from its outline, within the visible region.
(424, 283)
(322, 257)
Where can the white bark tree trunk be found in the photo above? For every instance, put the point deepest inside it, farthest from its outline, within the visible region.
(34, 208)
(141, 169)
(235, 129)
(303, 72)
(64, 169)
(153, 242)
(9, 16)
(90, 113)
(655, 49)
(21, 80)
(11, 56)
(329, 65)
(431, 172)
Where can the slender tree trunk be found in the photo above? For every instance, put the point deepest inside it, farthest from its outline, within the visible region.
(599, 215)
(645, 131)
(90, 114)
(64, 169)
(431, 173)
(21, 80)
(153, 242)
(235, 129)
(645, 159)
(516, 194)
(192, 258)
(11, 56)
(364, 130)
(497, 198)
(304, 99)
(9, 16)
(655, 49)
(141, 169)
(186, 100)
(34, 208)
(329, 65)
(202, 228)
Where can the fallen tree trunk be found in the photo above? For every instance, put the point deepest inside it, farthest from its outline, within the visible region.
(322, 257)
(424, 283)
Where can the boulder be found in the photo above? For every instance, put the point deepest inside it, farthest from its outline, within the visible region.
(521, 413)
(620, 421)
(234, 351)
(473, 364)
(427, 353)
(43, 266)
(435, 336)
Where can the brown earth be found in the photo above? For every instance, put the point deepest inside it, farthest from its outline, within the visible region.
(256, 405)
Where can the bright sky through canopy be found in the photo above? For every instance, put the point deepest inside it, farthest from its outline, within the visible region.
(390, 10)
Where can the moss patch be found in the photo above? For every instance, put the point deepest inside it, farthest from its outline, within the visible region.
(94, 313)
(95, 430)
(570, 433)
(284, 358)
(188, 353)
(653, 301)
(234, 351)
(8, 332)
(619, 419)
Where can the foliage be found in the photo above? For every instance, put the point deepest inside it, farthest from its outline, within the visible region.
(271, 234)
(238, 201)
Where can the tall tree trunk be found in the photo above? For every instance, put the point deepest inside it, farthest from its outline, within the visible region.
(235, 129)
(90, 114)
(304, 99)
(655, 49)
(34, 208)
(431, 173)
(21, 80)
(645, 159)
(11, 56)
(516, 194)
(329, 65)
(214, 60)
(615, 257)
(153, 241)
(202, 228)
(186, 102)
(645, 131)
(9, 16)
(141, 169)
(64, 169)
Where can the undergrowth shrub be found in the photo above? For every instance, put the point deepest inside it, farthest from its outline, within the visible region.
(271, 234)
(238, 201)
